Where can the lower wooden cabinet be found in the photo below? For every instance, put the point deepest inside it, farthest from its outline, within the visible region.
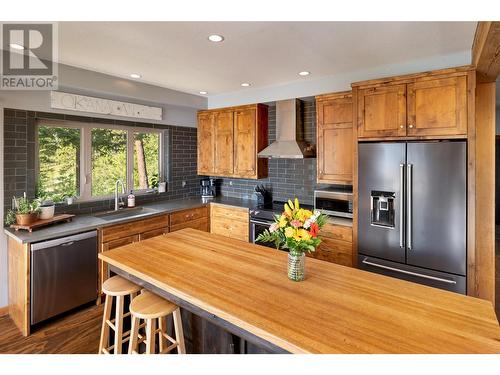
(196, 218)
(232, 222)
(336, 245)
(118, 235)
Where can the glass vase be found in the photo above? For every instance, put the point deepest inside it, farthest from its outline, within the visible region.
(296, 267)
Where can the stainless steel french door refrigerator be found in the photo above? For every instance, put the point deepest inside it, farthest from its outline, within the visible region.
(412, 211)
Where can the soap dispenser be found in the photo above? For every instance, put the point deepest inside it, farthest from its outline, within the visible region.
(131, 200)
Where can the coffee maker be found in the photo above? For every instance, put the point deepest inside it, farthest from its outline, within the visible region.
(208, 187)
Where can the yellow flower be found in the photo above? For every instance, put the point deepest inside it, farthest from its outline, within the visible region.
(304, 234)
(303, 214)
(288, 210)
(282, 221)
(289, 232)
(296, 204)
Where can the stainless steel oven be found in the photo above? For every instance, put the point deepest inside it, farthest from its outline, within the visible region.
(257, 226)
(333, 202)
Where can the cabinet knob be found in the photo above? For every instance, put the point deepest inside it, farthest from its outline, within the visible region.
(411, 126)
(401, 126)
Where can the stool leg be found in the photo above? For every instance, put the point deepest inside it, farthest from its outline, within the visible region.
(163, 329)
(103, 343)
(134, 335)
(150, 336)
(119, 325)
(179, 333)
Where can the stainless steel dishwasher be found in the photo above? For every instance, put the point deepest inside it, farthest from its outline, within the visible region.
(63, 274)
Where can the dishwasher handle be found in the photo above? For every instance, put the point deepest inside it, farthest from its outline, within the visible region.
(63, 241)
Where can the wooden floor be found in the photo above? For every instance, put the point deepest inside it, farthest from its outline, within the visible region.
(75, 333)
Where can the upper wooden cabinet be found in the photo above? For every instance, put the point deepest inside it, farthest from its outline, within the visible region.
(382, 111)
(206, 140)
(224, 141)
(438, 106)
(230, 139)
(427, 105)
(334, 138)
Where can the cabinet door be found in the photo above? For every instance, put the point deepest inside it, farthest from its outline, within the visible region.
(224, 137)
(152, 233)
(438, 107)
(245, 150)
(334, 251)
(199, 224)
(382, 112)
(335, 141)
(206, 146)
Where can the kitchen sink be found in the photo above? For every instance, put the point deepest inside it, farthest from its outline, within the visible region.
(126, 213)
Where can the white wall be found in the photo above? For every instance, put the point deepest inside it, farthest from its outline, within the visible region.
(179, 108)
(338, 82)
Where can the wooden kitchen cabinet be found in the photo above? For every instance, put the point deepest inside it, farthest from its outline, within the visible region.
(438, 106)
(206, 141)
(334, 138)
(114, 236)
(196, 218)
(430, 105)
(336, 245)
(382, 111)
(224, 141)
(228, 221)
(231, 139)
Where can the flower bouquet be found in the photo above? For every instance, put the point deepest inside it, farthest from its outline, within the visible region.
(296, 229)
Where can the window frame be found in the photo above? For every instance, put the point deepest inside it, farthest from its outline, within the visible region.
(85, 188)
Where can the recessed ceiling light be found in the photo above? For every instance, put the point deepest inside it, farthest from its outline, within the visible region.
(203, 93)
(215, 38)
(245, 84)
(16, 46)
(135, 75)
(304, 73)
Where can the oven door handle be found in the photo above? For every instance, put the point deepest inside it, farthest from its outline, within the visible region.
(252, 221)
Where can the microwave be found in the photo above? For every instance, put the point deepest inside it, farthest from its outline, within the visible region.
(333, 202)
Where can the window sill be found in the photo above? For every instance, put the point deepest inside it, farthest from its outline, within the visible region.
(139, 193)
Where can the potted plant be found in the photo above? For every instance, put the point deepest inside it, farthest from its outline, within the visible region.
(296, 230)
(25, 212)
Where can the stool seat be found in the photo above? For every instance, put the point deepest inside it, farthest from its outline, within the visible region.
(118, 286)
(149, 306)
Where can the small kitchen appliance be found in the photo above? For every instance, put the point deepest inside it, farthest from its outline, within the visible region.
(334, 202)
(208, 187)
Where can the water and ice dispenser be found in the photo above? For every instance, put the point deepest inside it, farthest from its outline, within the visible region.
(382, 208)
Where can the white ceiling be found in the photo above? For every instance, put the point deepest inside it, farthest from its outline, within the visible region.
(178, 55)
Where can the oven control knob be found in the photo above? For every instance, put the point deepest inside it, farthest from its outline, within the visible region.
(256, 212)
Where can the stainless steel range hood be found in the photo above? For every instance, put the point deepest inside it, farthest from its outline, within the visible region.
(290, 142)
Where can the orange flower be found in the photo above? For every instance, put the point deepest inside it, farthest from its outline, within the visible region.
(313, 231)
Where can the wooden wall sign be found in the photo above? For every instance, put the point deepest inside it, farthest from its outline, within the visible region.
(73, 102)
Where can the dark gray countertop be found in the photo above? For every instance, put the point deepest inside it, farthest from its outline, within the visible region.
(83, 223)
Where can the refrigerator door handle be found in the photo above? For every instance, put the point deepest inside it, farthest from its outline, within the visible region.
(401, 205)
(367, 262)
(409, 197)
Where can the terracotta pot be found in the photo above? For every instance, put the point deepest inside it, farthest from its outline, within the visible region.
(26, 219)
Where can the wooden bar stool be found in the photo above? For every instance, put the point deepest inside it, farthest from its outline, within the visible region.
(149, 307)
(115, 287)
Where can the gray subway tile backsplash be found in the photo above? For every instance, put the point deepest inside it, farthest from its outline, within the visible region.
(19, 159)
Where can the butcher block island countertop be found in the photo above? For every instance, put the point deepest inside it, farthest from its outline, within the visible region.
(335, 310)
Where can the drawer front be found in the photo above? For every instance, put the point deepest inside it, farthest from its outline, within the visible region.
(200, 224)
(181, 217)
(134, 227)
(230, 228)
(152, 233)
(119, 242)
(224, 212)
(334, 251)
(336, 232)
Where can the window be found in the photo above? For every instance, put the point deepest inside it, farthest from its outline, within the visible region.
(85, 160)
(109, 160)
(59, 162)
(146, 160)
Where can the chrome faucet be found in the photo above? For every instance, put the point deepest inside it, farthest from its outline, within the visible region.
(117, 206)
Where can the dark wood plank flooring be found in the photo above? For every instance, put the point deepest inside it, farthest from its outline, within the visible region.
(75, 333)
